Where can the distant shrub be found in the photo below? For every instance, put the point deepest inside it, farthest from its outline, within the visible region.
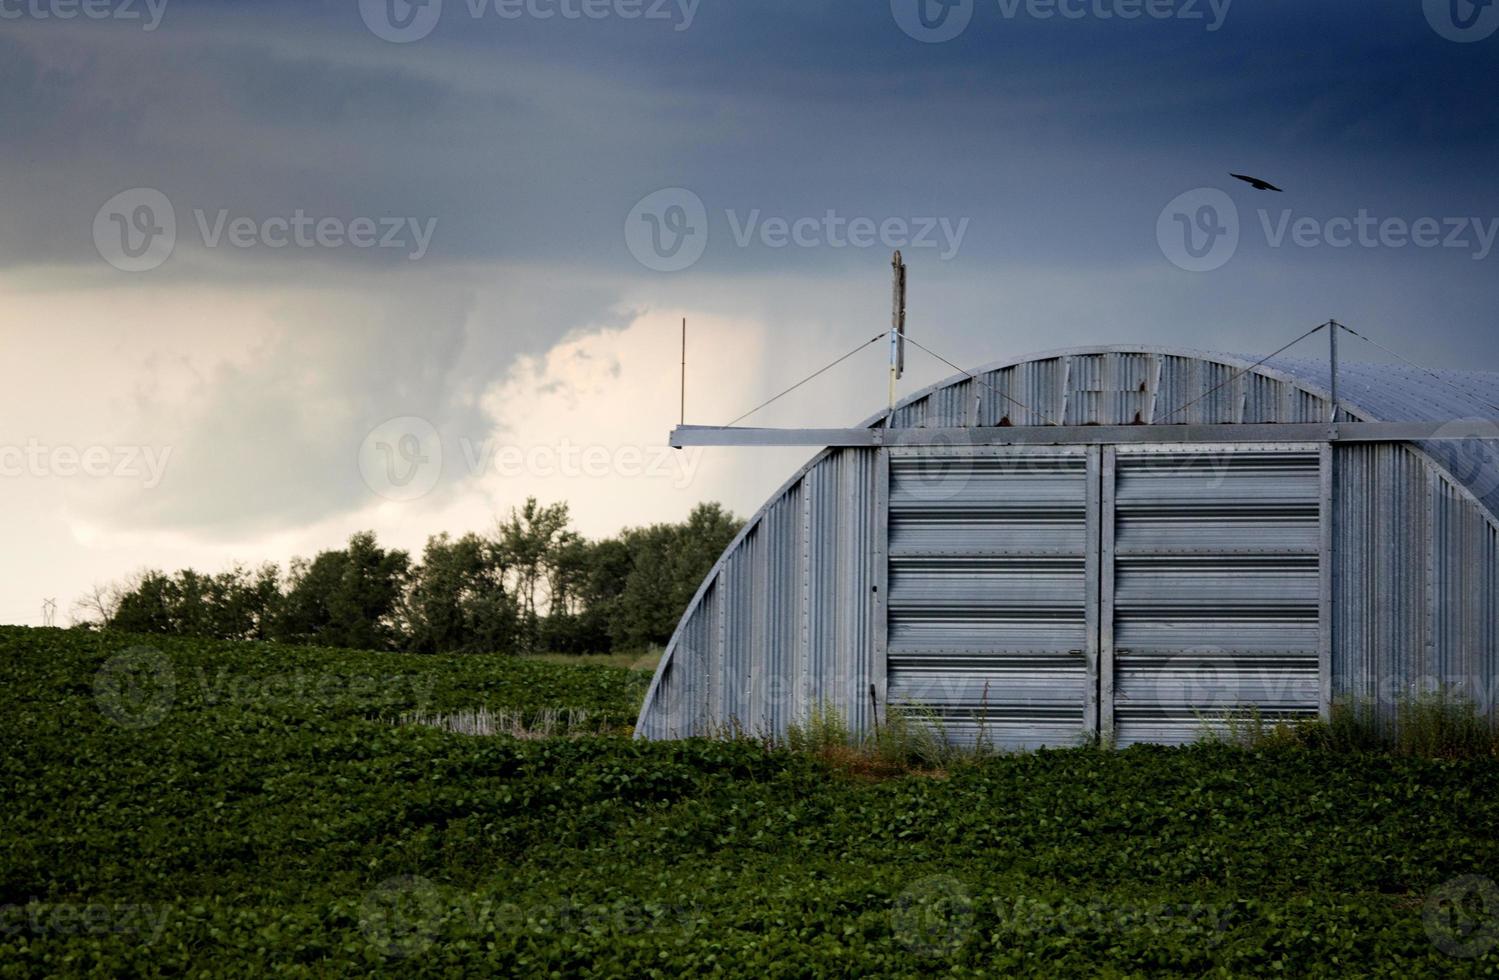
(1431, 725)
(907, 738)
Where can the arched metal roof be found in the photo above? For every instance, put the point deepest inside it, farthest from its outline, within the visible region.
(1105, 385)
(1395, 393)
(1367, 392)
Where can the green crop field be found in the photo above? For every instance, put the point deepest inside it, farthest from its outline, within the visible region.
(212, 809)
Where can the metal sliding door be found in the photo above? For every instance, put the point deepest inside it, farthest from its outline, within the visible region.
(991, 609)
(1212, 590)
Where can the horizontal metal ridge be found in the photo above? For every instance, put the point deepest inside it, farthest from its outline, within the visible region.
(1087, 435)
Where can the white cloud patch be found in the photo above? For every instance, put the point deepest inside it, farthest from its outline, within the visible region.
(587, 421)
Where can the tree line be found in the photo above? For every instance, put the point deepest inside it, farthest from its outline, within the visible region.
(532, 584)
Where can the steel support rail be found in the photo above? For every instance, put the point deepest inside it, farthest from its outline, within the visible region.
(1088, 435)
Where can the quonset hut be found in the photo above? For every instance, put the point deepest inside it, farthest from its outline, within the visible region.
(1194, 535)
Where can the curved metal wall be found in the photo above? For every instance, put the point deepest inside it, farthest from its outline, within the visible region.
(783, 622)
(787, 619)
(1416, 581)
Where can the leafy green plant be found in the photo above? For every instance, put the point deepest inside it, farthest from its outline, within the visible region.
(1441, 725)
(268, 822)
(1435, 725)
(907, 738)
(824, 732)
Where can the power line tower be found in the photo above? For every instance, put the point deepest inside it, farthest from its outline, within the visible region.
(49, 612)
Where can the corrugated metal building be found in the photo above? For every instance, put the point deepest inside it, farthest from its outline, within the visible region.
(1039, 595)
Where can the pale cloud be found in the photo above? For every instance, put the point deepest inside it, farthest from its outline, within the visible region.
(587, 421)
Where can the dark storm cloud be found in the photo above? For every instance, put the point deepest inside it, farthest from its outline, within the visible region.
(530, 139)
(1040, 151)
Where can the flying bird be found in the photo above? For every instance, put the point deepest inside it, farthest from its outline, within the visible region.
(1256, 183)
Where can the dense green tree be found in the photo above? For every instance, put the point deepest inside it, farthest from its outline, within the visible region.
(146, 605)
(456, 599)
(536, 584)
(237, 604)
(667, 564)
(346, 598)
(530, 543)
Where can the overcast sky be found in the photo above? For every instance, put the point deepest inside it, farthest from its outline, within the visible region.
(271, 273)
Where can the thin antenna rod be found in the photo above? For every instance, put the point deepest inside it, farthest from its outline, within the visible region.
(684, 370)
(897, 323)
(1332, 364)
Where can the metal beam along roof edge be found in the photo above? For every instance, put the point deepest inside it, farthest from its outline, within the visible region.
(1059, 435)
